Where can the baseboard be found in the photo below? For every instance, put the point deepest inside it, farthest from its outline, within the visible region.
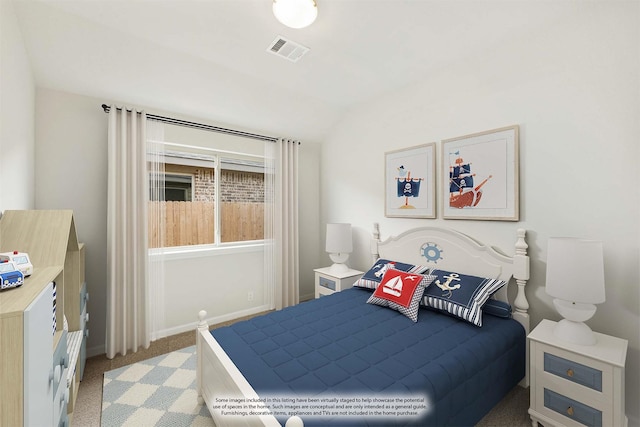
(97, 350)
(307, 297)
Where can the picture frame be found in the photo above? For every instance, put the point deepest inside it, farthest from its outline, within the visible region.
(480, 176)
(410, 182)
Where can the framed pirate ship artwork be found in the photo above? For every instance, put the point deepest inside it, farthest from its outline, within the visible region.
(410, 176)
(480, 176)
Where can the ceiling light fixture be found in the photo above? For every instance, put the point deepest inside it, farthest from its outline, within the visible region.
(295, 13)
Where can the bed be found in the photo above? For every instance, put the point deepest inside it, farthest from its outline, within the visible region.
(353, 359)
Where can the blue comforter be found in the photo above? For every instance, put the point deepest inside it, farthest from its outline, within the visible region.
(339, 345)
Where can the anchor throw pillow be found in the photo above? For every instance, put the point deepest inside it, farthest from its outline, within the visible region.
(371, 279)
(459, 294)
(401, 291)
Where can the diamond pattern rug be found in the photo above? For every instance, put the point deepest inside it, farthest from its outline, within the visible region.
(153, 393)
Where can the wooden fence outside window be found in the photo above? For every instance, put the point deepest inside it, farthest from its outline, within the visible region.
(192, 223)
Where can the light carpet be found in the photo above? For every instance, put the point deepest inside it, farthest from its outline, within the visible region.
(156, 392)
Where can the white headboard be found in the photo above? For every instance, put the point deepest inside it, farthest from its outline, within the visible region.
(448, 249)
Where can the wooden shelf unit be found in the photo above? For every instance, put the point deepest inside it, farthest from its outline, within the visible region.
(50, 239)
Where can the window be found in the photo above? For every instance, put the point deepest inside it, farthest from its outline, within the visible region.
(208, 198)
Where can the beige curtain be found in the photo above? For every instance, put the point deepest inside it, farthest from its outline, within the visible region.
(281, 223)
(128, 323)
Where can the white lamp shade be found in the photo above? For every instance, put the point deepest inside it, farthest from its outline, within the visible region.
(339, 239)
(575, 270)
(295, 13)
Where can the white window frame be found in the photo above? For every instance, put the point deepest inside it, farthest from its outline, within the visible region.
(216, 157)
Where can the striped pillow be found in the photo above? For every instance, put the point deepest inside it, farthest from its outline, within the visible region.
(460, 295)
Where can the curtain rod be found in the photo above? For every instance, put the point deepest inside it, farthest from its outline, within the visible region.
(201, 126)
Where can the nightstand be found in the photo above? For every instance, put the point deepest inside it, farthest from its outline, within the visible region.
(576, 385)
(328, 282)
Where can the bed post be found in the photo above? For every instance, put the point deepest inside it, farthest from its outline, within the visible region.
(521, 305)
(521, 274)
(202, 327)
(374, 241)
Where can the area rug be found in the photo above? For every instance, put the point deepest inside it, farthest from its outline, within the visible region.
(153, 393)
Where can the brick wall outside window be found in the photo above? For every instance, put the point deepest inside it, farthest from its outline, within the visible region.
(236, 186)
(243, 187)
(204, 190)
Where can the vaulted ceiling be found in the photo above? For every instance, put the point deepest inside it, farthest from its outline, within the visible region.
(209, 59)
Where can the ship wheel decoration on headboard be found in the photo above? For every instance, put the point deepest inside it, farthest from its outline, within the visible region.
(431, 252)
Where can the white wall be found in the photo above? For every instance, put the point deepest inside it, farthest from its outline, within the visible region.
(17, 98)
(71, 173)
(575, 92)
(218, 283)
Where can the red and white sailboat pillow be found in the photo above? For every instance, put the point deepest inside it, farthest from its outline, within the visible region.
(401, 291)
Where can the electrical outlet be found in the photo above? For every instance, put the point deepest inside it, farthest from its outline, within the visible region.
(250, 296)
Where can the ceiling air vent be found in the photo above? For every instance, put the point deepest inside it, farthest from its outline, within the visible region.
(287, 49)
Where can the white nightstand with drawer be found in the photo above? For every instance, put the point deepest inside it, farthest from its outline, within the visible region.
(328, 282)
(576, 385)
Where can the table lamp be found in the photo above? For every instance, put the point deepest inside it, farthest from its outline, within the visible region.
(339, 245)
(575, 278)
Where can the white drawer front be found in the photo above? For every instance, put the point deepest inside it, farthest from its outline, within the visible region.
(38, 354)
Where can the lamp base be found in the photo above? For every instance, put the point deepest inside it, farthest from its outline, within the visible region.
(339, 258)
(339, 268)
(574, 332)
(574, 311)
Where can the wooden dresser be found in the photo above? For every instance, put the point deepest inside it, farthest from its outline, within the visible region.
(39, 376)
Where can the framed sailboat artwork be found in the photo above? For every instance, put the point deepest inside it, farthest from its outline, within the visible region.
(410, 176)
(480, 176)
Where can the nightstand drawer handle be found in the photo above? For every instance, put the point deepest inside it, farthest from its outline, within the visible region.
(570, 411)
(570, 372)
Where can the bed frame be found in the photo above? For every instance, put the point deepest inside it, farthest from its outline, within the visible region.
(217, 375)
